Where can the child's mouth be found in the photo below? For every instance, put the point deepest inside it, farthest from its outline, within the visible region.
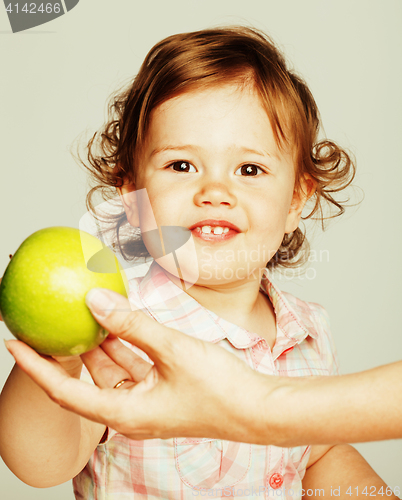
(214, 233)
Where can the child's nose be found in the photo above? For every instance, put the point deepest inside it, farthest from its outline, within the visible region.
(215, 194)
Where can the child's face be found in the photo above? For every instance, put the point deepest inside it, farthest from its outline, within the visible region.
(212, 154)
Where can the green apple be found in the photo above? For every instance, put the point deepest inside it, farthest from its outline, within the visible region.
(42, 293)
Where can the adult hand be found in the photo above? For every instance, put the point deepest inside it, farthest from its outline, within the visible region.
(180, 395)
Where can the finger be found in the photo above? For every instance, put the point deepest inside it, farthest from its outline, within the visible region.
(87, 400)
(104, 371)
(22, 354)
(125, 357)
(113, 311)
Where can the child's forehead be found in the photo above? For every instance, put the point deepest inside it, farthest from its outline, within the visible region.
(200, 107)
(226, 91)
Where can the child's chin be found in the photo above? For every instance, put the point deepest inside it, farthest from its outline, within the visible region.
(214, 274)
(192, 272)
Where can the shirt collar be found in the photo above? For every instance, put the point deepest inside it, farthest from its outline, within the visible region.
(171, 306)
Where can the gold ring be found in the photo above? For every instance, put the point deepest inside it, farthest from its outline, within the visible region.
(119, 384)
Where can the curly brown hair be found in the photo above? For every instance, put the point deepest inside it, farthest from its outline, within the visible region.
(188, 61)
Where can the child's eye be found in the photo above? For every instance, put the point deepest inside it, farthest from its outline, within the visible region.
(182, 166)
(249, 170)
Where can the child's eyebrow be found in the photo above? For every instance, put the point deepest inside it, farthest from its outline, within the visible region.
(190, 147)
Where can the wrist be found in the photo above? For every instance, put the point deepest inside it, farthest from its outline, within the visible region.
(273, 415)
(257, 415)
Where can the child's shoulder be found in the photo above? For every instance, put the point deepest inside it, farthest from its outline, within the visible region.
(304, 307)
(310, 317)
(309, 314)
(315, 319)
(312, 314)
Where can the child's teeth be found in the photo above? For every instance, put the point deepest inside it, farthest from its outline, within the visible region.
(215, 230)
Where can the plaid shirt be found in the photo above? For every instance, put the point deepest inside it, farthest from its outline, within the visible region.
(184, 468)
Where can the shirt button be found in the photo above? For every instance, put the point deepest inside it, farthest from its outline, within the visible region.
(276, 480)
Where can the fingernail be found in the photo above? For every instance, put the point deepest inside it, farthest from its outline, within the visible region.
(100, 303)
(7, 343)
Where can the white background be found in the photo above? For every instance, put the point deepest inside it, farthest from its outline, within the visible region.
(55, 82)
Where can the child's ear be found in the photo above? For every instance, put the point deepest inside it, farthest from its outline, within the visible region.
(129, 199)
(300, 197)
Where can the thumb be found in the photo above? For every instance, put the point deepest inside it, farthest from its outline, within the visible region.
(113, 311)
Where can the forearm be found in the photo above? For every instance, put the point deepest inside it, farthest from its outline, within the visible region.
(293, 411)
(39, 441)
(365, 406)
